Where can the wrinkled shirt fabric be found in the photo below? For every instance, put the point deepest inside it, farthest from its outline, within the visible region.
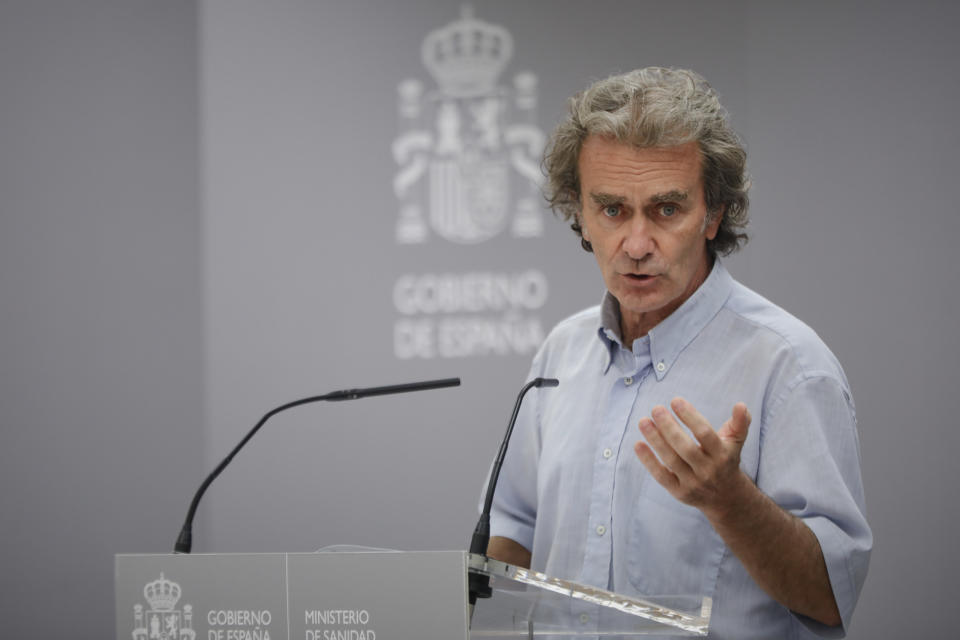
(573, 492)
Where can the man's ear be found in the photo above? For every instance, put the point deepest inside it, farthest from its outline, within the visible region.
(576, 196)
(713, 223)
(578, 217)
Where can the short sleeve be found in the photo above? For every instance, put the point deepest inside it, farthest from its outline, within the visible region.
(810, 466)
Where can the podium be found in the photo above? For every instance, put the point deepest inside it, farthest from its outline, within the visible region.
(384, 595)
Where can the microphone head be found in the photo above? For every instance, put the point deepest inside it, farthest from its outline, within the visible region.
(547, 382)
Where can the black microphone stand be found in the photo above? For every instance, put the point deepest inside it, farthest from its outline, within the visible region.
(185, 540)
(478, 583)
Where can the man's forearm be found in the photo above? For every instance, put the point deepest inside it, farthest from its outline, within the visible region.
(509, 551)
(780, 552)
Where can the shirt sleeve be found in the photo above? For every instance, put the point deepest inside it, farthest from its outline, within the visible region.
(810, 466)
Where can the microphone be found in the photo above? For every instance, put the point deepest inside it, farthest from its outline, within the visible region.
(185, 540)
(353, 394)
(479, 583)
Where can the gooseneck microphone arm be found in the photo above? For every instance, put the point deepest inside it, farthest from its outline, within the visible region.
(480, 584)
(185, 540)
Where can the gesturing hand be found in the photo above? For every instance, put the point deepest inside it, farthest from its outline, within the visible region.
(704, 473)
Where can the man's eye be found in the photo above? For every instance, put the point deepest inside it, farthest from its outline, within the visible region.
(611, 210)
(668, 210)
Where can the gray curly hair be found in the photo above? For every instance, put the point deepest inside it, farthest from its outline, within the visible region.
(654, 107)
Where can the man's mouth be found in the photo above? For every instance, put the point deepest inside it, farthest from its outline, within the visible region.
(640, 277)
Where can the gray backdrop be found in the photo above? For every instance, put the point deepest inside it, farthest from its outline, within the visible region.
(198, 224)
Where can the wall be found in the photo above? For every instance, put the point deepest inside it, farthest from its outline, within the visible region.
(129, 318)
(101, 410)
(847, 113)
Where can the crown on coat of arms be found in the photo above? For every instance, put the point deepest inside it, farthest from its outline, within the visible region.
(162, 594)
(467, 56)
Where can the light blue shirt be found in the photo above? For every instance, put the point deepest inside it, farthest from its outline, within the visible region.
(574, 493)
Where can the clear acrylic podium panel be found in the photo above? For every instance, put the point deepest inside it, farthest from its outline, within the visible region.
(528, 604)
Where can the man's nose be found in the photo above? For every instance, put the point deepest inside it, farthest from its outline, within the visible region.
(639, 241)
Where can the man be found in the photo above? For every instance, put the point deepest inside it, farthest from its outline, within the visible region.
(702, 441)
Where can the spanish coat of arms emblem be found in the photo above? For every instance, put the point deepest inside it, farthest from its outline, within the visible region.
(469, 150)
(163, 621)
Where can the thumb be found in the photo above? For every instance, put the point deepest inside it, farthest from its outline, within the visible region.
(735, 429)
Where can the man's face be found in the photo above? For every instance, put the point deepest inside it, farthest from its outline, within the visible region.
(644, 212)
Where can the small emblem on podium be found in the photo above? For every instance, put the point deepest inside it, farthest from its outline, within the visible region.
(163, 620)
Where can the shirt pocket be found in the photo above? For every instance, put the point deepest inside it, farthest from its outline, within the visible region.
(672, 549)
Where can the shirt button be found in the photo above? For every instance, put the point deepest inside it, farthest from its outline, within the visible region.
(661, 367)
(628, 380)
(584, 618)
(607, 453)
(601, 529)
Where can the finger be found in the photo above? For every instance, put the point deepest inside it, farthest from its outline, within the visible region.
(735, 429)
(686, 447)
(664, 436)
(660, 473)
(698, 425)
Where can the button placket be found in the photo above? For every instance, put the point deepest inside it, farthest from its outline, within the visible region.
(597, 551)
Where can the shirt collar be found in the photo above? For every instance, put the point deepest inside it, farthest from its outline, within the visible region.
(609, 329)
(677, 330)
